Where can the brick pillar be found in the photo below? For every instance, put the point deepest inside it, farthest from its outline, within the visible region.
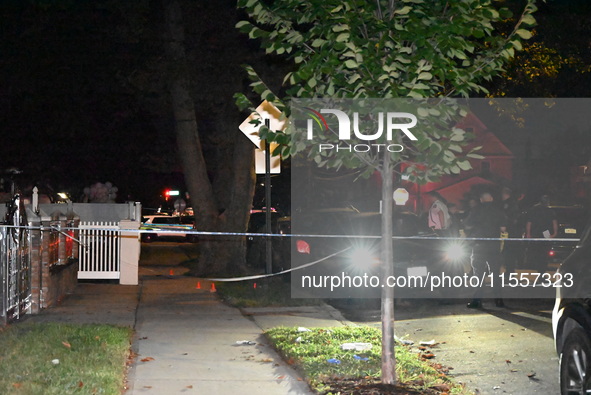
(44, 260)
(36, 264)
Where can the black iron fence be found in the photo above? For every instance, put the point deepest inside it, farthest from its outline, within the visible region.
(15, 263)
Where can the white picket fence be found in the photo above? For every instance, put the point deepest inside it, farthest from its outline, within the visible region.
(100, 246)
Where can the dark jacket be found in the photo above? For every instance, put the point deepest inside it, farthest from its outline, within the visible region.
(485, 220)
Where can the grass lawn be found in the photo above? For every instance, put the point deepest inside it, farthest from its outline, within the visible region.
(317, 354)
(268, 292)
(60, 359)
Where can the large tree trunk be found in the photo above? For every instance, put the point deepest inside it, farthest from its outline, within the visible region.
(229, 210)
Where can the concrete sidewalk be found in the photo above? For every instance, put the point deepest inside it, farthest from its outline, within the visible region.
(186, 338)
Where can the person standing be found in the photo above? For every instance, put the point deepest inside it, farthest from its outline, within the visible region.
(515, 230)
(486, 221)
(541, 223)
(439, 219)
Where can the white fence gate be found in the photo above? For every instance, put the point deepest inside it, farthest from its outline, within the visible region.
(100, 244)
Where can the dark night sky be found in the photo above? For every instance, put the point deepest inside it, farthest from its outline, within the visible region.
(81, 87)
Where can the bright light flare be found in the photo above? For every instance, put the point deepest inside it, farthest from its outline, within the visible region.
(363, 257)
(455, 252)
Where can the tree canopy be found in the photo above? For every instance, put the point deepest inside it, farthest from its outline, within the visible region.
(386, 49)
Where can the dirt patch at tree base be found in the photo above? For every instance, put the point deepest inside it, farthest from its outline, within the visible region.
(374, 387)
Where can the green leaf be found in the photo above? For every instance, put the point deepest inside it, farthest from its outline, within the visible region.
(354, 78)
(242, 24)
(529, 20)
(420, 86)
(403, 11)
(455, 147)
(517, 45)
(318, 42)
(423, 112)
(525, 34)
(242, 101)
(340, 28)
(457, 137)
(415, 95)
(425, 76)
(342, 37)
(336, 9)
(464, 165)
(351, 64)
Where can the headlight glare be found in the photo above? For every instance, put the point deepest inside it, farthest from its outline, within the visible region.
(362, 256)
(455, 252)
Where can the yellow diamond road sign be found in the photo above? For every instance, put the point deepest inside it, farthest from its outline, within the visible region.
(264, 111)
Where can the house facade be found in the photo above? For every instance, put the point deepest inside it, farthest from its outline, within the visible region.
(494, 169)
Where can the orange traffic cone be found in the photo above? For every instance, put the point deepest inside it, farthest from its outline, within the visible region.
(212, 288)
(198, 285)
(171, 272)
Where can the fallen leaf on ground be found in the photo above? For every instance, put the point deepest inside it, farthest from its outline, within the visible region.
(531, 375)
(67, 345)
(147, 359)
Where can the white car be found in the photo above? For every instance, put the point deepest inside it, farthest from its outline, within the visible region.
(165, 226)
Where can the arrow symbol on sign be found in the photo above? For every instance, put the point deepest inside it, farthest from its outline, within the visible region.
(250, 127)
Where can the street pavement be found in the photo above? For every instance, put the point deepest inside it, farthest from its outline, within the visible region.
(491, 350)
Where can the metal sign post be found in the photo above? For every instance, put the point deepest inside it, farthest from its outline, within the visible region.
(250, 127)
(269, 241)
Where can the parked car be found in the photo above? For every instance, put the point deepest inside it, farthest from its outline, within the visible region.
(162, 226)
(571, 318)
(256, 245)
(571, 222)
